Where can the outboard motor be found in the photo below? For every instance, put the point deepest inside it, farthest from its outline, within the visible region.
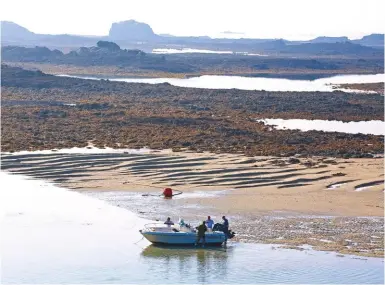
(221, 228)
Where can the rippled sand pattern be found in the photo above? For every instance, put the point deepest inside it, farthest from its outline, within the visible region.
(189, 170)
(352, 187)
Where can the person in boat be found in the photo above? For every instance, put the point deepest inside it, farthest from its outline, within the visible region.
(169, 222)
(201, 233)
(209, 224)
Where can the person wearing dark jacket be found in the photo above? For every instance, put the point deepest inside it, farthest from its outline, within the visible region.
(226, 226)
(201, 233)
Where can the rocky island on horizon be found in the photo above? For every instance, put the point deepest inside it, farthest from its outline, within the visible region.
(130, 31)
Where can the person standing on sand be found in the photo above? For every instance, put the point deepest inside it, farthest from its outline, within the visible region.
(209, 224)
(201, 233)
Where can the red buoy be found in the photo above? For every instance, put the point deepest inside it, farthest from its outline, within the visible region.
(167, 192)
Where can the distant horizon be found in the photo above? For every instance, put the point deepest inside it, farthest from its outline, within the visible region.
(273, 19)
(229, 33)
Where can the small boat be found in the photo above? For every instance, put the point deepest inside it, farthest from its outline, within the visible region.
(179, 235)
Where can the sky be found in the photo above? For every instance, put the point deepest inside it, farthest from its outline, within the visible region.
(289, 19)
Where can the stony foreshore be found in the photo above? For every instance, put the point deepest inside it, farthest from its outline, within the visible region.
(45, 112)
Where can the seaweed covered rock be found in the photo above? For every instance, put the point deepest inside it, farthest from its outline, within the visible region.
(108, 45)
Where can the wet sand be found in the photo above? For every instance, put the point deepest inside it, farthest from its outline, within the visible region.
(287, 200)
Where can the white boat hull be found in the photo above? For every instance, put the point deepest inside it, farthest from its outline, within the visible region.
(183, 238)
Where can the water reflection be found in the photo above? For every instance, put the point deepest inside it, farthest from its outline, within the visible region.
(205, 264)
(243, 264)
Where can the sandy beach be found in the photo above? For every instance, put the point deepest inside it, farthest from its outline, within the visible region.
(270, 199)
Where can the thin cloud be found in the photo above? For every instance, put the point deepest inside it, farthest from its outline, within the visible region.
(232, 33)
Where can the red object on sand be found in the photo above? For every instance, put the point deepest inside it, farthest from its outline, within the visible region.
(167, 192)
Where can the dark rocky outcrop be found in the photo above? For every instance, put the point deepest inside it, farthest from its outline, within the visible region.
(108, 45)
(338, 48)
(105, 54)
(37, 54)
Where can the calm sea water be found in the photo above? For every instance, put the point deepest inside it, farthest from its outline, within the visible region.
(188, 50)
(374, 127)
(192, 50)
(257, 83)
(51, 235)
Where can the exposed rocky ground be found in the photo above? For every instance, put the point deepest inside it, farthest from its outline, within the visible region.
(346, 235)
(42, 111)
